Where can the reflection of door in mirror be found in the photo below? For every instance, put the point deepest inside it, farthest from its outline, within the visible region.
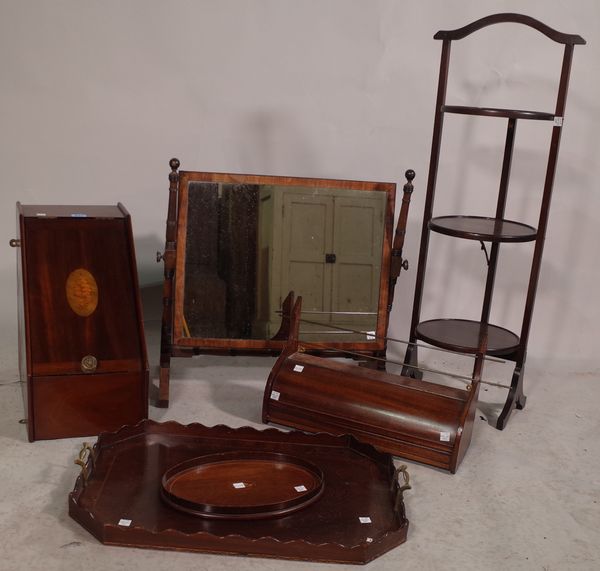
(325, 245)
(248, 245)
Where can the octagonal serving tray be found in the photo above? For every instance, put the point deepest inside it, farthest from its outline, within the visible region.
(347, 508)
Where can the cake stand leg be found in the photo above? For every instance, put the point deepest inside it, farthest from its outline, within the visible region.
(411, 358)
(515, 399)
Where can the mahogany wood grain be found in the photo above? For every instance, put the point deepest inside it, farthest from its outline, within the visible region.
(236, 485)
(86, 404)
(483, 228)
(418, 420)
(412, 419)
(55, 243)
(495, 112)
(185, 177)
(124, 477)
(168, 256)
(451, 334)
(463, 335)
(104, 366)
(509, 17)
(109, 211)
(397, 262)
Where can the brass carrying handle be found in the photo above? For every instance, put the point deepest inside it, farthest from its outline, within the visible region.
(399, 501)
(405, 477)
(86, 454)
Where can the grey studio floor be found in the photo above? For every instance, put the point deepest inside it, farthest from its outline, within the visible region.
(524, 498)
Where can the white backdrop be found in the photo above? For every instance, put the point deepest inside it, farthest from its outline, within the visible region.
(97, 96)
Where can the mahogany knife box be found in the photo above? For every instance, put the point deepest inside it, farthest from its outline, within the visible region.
(82, 353)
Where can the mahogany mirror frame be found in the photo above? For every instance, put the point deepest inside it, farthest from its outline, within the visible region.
(174, 343)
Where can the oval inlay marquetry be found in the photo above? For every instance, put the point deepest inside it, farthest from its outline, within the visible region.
(82, 292)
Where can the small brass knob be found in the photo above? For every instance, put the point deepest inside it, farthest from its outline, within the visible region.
(89, 364)
(14, 243)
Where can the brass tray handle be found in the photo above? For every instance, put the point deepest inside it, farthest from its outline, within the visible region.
(402, 487)
(86, 455)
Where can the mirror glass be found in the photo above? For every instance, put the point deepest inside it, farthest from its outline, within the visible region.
(248, 245)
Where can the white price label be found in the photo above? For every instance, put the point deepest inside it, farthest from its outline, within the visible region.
(365, 519)
(300, 488)
(124, 522)
(239, 485)
(370, 335)
(298, 368)
(558, 121)
(444, 437)
(275, 395)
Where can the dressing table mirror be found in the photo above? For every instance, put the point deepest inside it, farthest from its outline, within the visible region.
(239, 247)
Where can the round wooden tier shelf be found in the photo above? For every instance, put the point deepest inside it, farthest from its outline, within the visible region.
(483, 228)
(242, 485)
(463, 335)
(493, 112)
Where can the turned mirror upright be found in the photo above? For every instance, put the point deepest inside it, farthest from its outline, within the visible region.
(240, 247)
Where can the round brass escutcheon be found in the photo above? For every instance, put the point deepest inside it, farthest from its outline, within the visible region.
(89, 364)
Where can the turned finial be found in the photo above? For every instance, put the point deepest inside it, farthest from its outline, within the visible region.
(410, 175)
(174, 164)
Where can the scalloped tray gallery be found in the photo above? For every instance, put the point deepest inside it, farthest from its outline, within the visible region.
(351, 511)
